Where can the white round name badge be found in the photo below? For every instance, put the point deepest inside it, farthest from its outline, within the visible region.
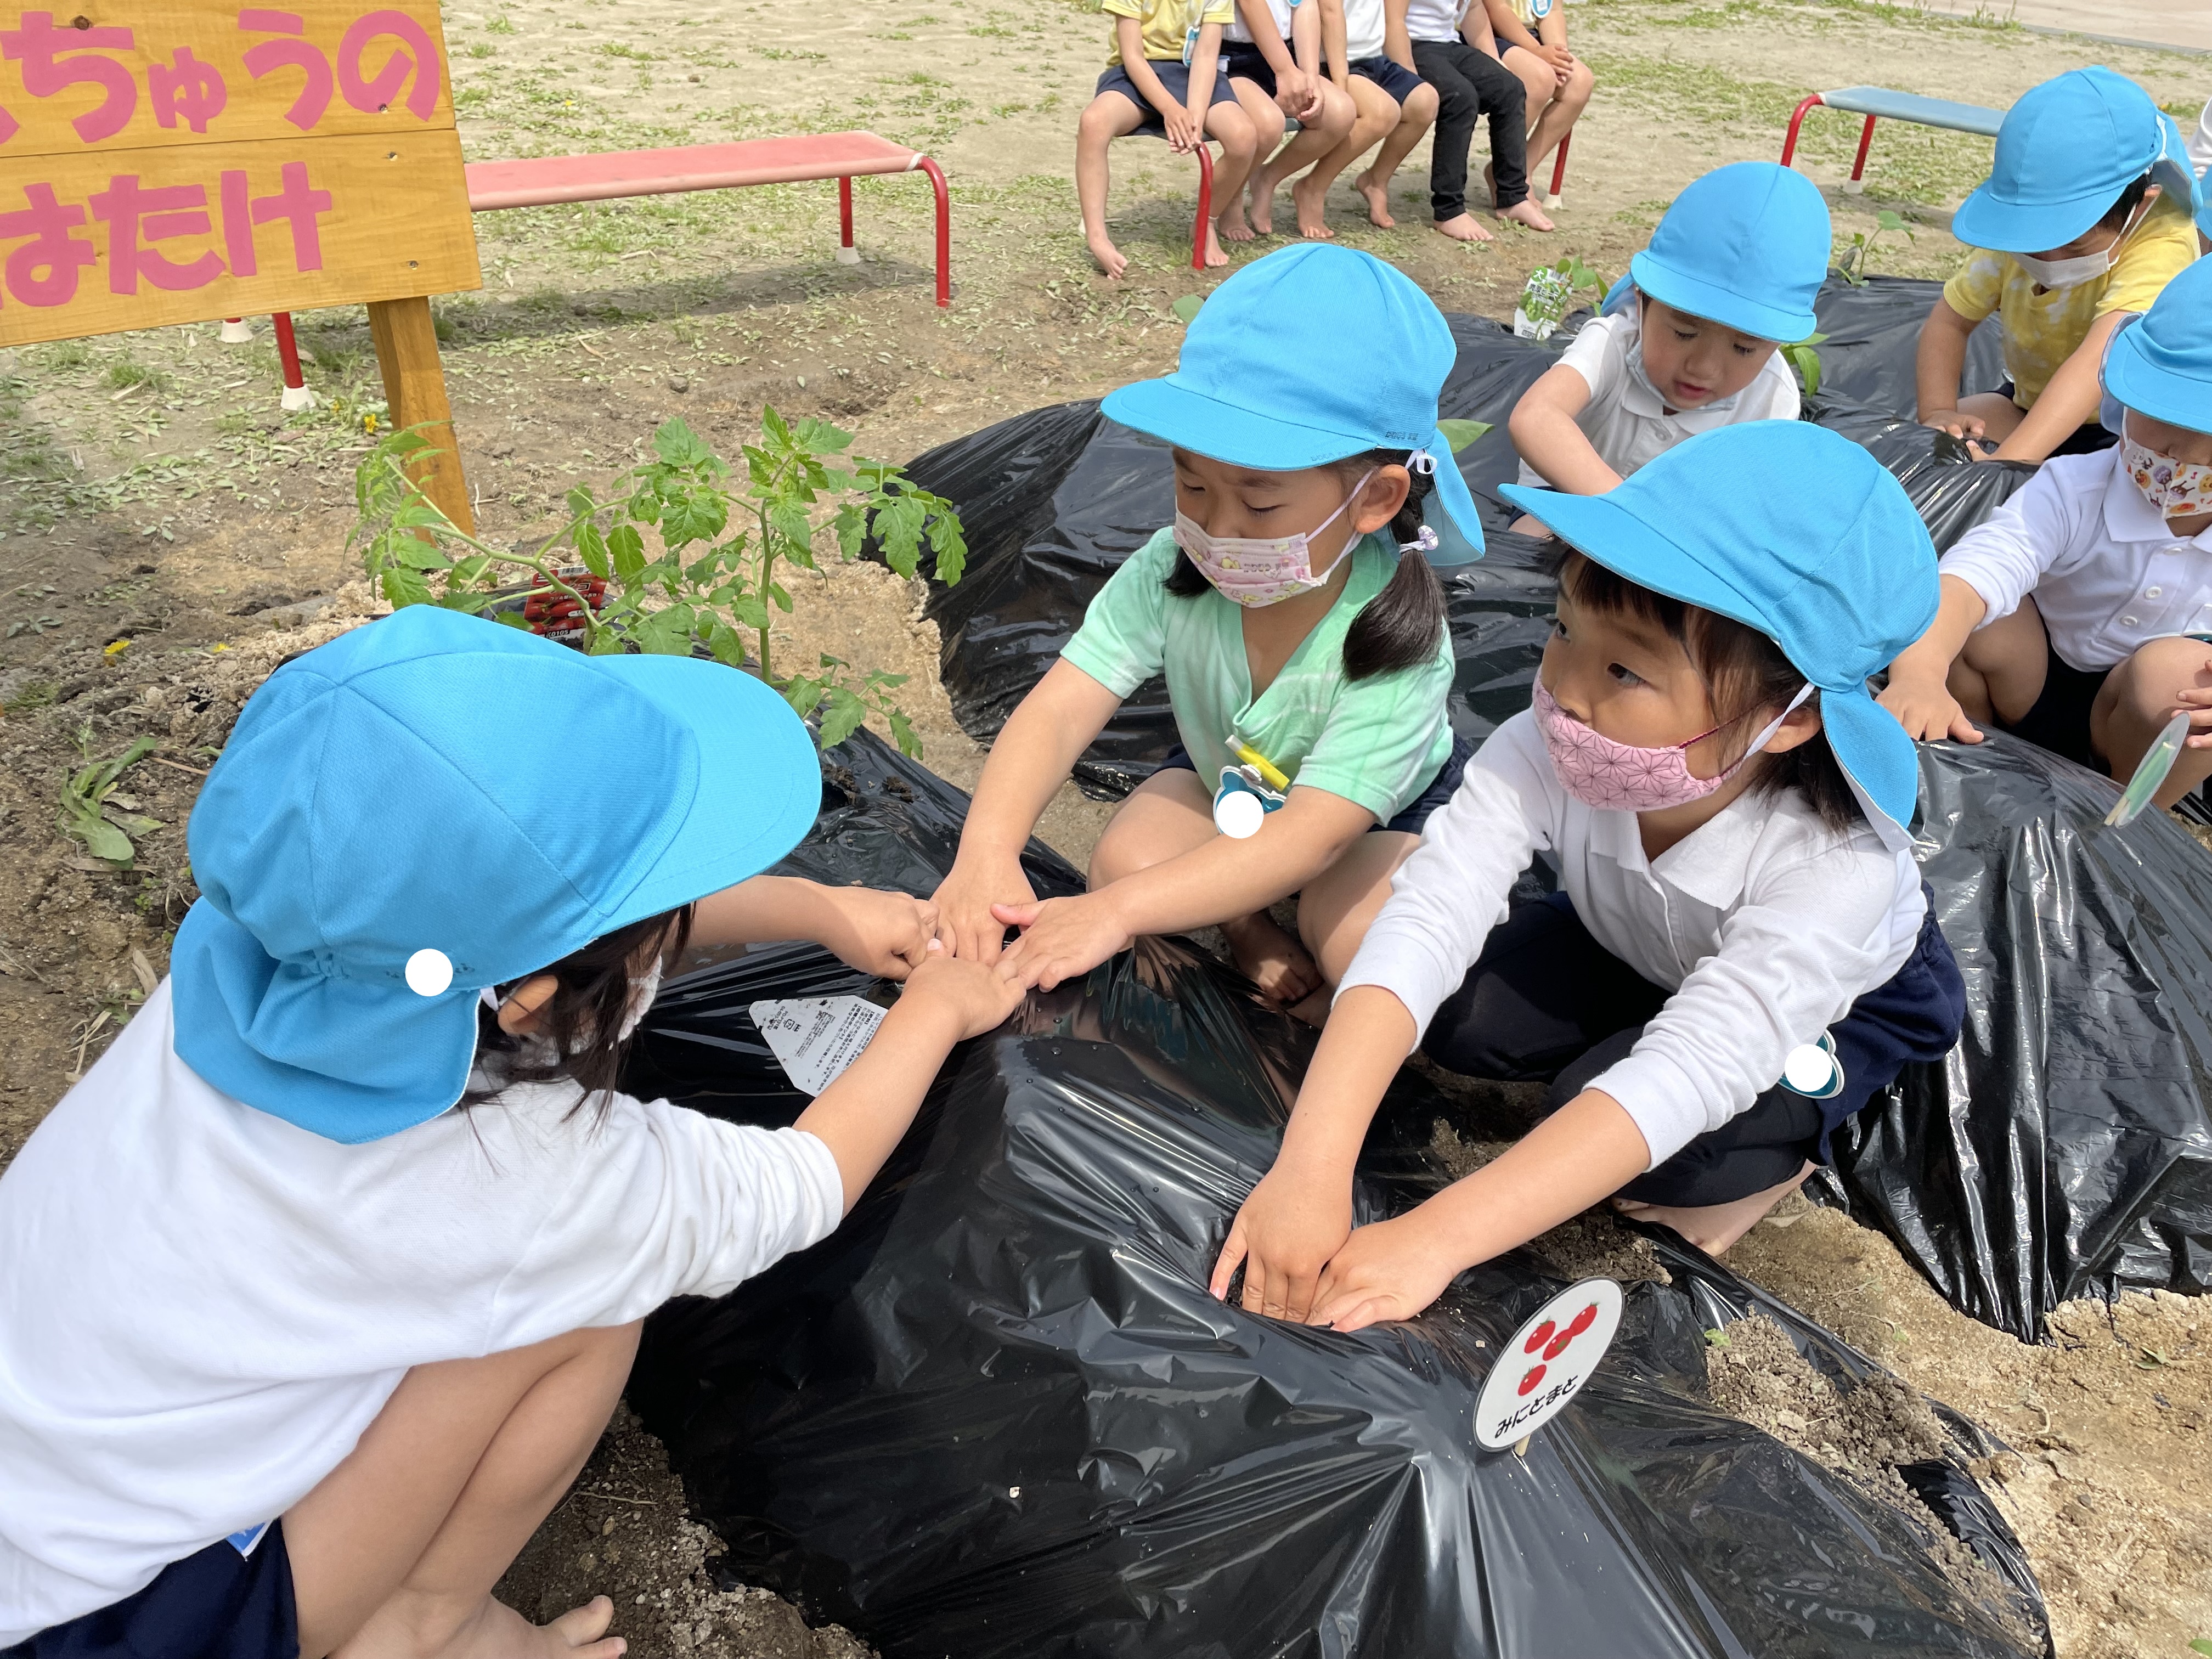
(1547, 1363)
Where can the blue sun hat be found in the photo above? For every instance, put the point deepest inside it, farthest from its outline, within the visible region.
(1311, 354)
(1745, 245)
(435, 804)
(1797, 532)
(2065, 152)
(2162, 362)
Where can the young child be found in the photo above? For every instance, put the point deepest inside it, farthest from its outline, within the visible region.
(317, 1290)
(1395, 106)
(1530, 38)
(1300, 629)
(1732, 271)
(2076, 615)
(1741, 953)
(1442, 41)
(1163, 79)
(2082, 220)
(1271, 54)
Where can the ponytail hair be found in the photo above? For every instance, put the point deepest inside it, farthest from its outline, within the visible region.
(1398, 627)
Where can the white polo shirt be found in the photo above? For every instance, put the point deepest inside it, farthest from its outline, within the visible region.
(2106, 573)
(1626, 421)
(1241, 30)
(1435, 20)
(1765, 924)
(1362, 29)
(202, 1306)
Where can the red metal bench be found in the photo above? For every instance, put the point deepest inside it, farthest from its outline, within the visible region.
(547, 180)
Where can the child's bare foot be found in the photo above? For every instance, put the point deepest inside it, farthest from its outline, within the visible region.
(1379, 201)
(496, 1631)
(1231, 225)
(1110, 259)
(1312, 206)
(1526, 212)
(1215, 253)
(1714, 1227)
(1272, 959)
(1465, 229)
(1490, 182)
(1260, 205)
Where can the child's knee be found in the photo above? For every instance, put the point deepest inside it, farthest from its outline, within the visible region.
(2158, 669)
(1581, 82)
(1421, 105)
(1100, 120)
(1239, 139)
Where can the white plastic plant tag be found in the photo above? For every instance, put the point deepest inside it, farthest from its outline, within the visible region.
(1547, 1363)
(816, 1038)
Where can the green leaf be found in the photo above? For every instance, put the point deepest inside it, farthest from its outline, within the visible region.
(842, 717)
(698, 517)
(1460, 433)
(2200, 1644)
(591, 549)
(511, 619)
(1717, 1338)
(421, 555)
(679, 446)
(782, 599)
(789, 520)
(902, 733)
(725, 643)
(404, 587)
(1187, 307)
(850, 526)
(628, 548)
(751, 609)
(1886, 219)
(101, 839)
(802, 694)
(131, 823)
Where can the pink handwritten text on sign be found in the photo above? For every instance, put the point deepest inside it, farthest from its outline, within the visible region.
(385, 60)
(42, 268)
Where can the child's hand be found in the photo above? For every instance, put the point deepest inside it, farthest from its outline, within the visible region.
(890, 934)
(1298, 94)
(965, 926)
(1284, 1236)
(1061, 938)
(1561, 60)
(1927, 710)
(1184, 129)
(1389, 1270)
(975, 997)
(1951, 421)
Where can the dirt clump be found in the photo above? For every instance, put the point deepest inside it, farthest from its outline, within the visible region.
(622, 1533)
(1592, 1245)
(1757, 1374)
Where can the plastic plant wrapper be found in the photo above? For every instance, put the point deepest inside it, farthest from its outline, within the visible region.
(997, 1413)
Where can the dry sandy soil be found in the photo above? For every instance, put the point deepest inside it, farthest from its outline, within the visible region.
(150, 492)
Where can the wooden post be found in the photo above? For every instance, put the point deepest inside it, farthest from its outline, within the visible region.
(414, 392)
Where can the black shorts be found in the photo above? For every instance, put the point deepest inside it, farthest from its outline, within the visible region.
(1413, 817)
(2088, 438)
(217, 1604)
(2059, 722)
(1546, 1002)
(1175, 76)
(1388, 74)
(1248, 63)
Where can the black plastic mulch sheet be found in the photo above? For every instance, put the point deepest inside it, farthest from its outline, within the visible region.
(997, 1414)
(2067, 1151)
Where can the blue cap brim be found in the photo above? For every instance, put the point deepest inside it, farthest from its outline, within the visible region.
(1875, 753)
(354, 1060)
(1699, 298)
(1983, 221)
(1206, 426)
(2135, 377)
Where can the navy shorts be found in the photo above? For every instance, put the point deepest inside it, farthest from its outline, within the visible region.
(1175, 78)
(217, 1604)
(1546, 1003)
(2086, 440)
(1413, 817)
(2059, 722)
(1248, 63)
(1393, 77)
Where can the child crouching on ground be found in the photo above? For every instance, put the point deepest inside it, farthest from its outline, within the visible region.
(1732, 272)
(1163, 78)
(1298, 625)
(317, 1290)
(2083, 219)
(1741, 953)
(2078, 615)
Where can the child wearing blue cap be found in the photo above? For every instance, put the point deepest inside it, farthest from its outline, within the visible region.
(2084, 218)
(1732, 272)
(1164, 78)
(317, 1290)
(1741, 952)
(1298, 625)
(2076, 615)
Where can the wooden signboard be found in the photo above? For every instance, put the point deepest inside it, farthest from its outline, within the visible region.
(180, 161)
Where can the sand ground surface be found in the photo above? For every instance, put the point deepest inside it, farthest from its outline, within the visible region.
(166, 537)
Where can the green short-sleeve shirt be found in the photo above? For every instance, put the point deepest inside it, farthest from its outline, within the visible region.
(1377, 742)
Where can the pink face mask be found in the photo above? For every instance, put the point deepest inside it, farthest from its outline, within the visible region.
(1256, 570)
(1600, 772)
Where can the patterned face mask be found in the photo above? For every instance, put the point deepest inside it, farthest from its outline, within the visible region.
(1600, 772)
(1257, 570)
(2179, 490)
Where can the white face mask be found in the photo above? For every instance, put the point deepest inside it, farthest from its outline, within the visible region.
(641, 993)
(2082, 267)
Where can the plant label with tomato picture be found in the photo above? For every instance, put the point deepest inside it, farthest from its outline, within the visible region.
(1547, 1362)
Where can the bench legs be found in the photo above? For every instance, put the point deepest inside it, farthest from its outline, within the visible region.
(1859, 166)
(1857, 183)
(846, 254)
(849, 255)
(297, 395)
(1205, 207)
(1560, 170)
(1796, 120)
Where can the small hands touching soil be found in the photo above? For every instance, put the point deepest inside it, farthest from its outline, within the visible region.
(167, 536)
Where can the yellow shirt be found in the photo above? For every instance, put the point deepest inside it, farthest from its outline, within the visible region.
(1167, 23)
(2043, 330)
